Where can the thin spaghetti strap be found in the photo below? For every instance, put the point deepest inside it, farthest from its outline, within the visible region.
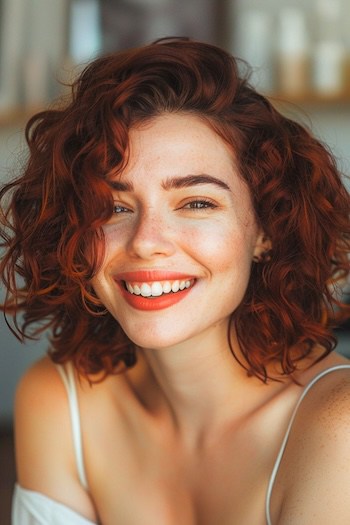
(67, 374)
(286, 436)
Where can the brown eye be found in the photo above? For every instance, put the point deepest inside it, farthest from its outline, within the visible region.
(200, 204)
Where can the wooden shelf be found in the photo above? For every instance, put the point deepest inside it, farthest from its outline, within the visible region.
(310, 98)
(16, 116)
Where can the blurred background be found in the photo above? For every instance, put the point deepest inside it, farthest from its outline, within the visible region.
(299, 51)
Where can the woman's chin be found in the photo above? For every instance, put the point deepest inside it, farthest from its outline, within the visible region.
(154, 343)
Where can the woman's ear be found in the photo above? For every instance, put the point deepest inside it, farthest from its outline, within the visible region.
(263, 247)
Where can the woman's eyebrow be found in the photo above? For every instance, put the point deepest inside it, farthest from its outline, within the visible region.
(193, 180)
(174, 183)
(117, 185)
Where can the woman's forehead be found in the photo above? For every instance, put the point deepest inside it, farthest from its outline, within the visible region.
(178, 141)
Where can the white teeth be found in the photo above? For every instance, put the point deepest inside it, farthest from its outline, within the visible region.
(175, 287)
(166, 287)
(137, 290)
(146, 290)
(156, 288)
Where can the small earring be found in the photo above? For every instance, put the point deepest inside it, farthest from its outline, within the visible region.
(264, 257)
(266, 247)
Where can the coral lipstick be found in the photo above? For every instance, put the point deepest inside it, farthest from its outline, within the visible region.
(154, 303)
(154, 290)
(151, 275)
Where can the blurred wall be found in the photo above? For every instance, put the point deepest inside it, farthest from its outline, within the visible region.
(34, 35)
(14, 356)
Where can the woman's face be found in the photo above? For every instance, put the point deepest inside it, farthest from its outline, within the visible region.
(180, 243)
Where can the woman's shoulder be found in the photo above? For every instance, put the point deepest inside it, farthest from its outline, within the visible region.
(40, 399)
(325, 386)
(325, 406)
(317, 458)
(42, 370)
(41, 422)
(40, 392)
(45, 456)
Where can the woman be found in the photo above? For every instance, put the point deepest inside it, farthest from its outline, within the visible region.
(182, 241)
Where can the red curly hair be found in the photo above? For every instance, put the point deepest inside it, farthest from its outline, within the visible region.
(53, 222)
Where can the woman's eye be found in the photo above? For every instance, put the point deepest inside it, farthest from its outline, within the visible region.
(200, 204)
(118, 208)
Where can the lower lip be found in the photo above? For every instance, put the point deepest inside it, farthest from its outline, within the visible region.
(154, 303)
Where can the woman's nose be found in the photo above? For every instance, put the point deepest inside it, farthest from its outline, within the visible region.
(152, 236)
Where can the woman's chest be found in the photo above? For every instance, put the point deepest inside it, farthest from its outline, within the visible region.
(174, 505)
(141, 481)
(139, 471)
(167, 502)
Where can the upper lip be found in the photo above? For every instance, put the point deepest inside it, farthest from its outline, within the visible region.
(151, 275)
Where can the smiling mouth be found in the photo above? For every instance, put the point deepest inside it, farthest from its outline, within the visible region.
(157, 288)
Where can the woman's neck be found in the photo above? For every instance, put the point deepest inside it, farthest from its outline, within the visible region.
(202, 384)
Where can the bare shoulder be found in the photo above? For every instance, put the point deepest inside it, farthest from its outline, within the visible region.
(39, 393)
(44, 449)
(40, 411)
(41, 376)
(316, 468)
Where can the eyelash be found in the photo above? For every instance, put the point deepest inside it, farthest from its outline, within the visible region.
(116, 206)
(199, 204)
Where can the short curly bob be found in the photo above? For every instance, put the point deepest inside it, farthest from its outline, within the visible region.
(56, 209)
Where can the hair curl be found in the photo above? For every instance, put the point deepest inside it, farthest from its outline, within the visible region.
(53, 223)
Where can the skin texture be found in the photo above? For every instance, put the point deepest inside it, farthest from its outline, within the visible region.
(185, 436)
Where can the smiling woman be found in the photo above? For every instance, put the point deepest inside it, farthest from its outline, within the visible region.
(182, 240)
(170, 218)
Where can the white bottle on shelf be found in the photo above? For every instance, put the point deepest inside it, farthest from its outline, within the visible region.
(254, 43)
(329, 54)
(293, 52)
(329, 68)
